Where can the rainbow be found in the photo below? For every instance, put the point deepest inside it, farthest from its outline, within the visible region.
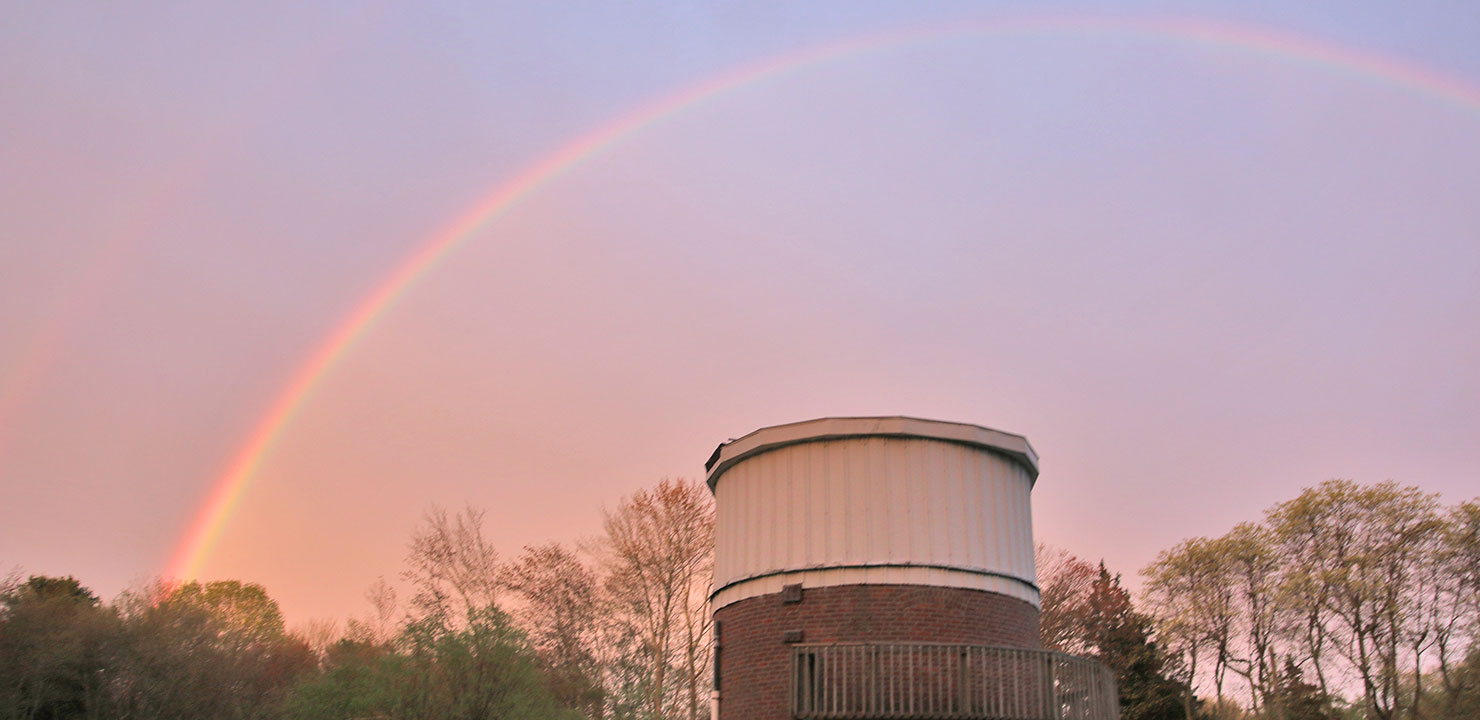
(208, 523)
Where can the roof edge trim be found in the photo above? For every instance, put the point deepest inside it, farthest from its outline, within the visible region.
(833, 428)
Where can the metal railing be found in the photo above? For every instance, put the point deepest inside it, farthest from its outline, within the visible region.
(947, 682)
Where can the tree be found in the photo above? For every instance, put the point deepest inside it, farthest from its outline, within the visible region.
(452, 568)
(483, 670)
(1253, 566)
(1191, 600)
(1290, 697)
(1120, 637)
(561, 612)
(243, 613)
(53, 637)
(657, 554)
(357, 680)
(1456, 609)
(212, 650)
(1362, 549)
(1064, 584)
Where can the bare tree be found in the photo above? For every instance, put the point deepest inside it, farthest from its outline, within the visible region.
(560, 609)
(657, 555)
(380, 627)
(452, 569)
(1064, 584)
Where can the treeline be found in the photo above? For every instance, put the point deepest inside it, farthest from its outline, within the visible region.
(618, 628)
(1372, 590)
(1349, 602)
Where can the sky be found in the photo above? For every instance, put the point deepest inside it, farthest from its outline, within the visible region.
(1202, 255)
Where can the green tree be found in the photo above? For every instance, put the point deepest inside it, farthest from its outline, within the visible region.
(1292, 698)
(358, 679)
(215, 650)
(54, 636)
(482, 671)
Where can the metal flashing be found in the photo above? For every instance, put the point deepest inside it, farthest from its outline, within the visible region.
(728, 453)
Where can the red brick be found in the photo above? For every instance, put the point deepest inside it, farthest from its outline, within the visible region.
(754, 660)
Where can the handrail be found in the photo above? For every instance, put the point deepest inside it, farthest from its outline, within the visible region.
(947, 681)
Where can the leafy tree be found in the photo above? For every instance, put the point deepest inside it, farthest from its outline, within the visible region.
(53, 639)
(1457, 612)
(215, 650)
(483, 671)
(1253, 566)
(244, 614)
(1189, 590)
(357, 680)
(1361, 549)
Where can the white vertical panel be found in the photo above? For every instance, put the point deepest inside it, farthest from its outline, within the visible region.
(896, 468)
(855, 477)
(976, 545)
(816, 506)
(878, 505)
(795, 526)
(867, 502)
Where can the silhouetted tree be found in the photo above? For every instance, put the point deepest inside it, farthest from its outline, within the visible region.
(1292, 698)
(561, 612)
(54, 636)
(1120, 637)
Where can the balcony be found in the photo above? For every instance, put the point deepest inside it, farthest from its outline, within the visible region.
(947, 682)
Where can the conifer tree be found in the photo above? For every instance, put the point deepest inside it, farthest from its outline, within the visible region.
(1120, 637)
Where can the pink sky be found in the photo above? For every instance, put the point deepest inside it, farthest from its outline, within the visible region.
(1198, 278)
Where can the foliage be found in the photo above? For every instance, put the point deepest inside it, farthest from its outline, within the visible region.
(53, 637)
(214, 650)
(1120, 637)
(1366, 588)
(1372, 591)
(1293, 698)
(484, 671)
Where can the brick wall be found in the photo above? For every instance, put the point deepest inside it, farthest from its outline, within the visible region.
(754, 650)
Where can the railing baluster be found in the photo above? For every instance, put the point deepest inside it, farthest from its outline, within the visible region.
(903, 681)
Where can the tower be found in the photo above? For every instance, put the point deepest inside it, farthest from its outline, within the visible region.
(881, 567)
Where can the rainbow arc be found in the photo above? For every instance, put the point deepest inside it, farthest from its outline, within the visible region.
(209, 522)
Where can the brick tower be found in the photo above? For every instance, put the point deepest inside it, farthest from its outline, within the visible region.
(875, 566)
